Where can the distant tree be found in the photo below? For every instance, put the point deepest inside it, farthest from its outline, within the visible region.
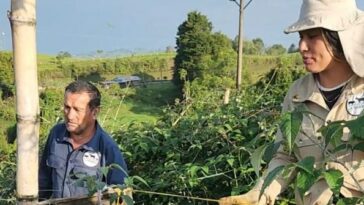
(62, 55)
(99, 52)
(169, 49)
(250, 47)
(221, 61)
(292, 48)
(276, 49)
(259, 45)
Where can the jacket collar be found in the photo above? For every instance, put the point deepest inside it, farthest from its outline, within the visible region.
(92, 145)
(307, 90)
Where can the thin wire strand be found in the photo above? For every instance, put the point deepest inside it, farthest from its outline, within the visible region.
(156, 193)
(175, 195)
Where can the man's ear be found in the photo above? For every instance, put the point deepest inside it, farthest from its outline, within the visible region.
(95, 112)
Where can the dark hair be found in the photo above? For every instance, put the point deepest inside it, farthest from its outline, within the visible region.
(83, 86)
(334, 42)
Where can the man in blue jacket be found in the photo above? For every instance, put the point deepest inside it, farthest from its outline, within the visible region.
(78, 147)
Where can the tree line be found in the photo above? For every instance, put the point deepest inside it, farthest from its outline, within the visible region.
(203, 54)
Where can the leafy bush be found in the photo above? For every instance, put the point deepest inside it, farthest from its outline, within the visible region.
(199, 147)
(202, 148)
(7, 176)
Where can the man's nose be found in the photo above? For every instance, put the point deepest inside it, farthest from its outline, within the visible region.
(70, 114)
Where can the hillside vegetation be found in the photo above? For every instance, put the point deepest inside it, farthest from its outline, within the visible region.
(194, 144)
(174, 131)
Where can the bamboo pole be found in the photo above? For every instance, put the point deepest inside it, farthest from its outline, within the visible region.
(22, 20)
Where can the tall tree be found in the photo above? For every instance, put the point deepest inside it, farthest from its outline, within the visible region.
(193, 39)
(200, 52)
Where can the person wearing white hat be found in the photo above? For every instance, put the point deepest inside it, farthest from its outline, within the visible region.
(332, 48)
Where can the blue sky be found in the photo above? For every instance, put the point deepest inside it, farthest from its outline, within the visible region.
(84, 26)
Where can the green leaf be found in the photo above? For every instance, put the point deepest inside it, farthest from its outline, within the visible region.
(141, 180)
(270, 177)
(289, 169)
(113, 165)
(228, 127)
(193, 170)
(341, 147)
(271, 150)
(113, 198)
(80, 182)
(306, 164)
(359, 146)
(127, 199)
(333, 133)
(236, 190)
(304, 181)
(230, 162)
(100, 185)
(356, 127)
(348, 201)
(104, 171)
(341, 202)
(159, 131)
(256, 158)
(205, 169)
(144, 146)
(290, 127)
(334, 179)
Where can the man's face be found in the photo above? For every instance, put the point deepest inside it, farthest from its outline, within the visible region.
(77, 114)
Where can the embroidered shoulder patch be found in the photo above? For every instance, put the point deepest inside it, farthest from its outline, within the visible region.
(355, 104)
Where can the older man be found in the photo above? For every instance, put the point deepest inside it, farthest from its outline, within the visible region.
(78, 147)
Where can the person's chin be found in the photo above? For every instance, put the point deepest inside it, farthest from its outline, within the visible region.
(312, 69)
(71, 127)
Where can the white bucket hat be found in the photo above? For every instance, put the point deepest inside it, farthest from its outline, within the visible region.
(342, 16)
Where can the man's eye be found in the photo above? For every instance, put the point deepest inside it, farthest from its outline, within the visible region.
(77, 110)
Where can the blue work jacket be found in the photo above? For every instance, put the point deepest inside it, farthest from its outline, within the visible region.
(62, 167)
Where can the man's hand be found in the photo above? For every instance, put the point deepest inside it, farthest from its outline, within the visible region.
(250, 198)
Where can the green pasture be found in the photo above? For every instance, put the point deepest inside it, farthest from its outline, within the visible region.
(143, 104)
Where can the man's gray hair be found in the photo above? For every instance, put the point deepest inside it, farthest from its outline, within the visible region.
(84, 86)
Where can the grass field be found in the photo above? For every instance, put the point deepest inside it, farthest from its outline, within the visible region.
(135, 104)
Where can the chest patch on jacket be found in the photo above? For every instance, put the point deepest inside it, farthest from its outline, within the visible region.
(91, 159)
(355, 104)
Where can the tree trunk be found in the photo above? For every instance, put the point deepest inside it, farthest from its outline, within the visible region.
(22, 20)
